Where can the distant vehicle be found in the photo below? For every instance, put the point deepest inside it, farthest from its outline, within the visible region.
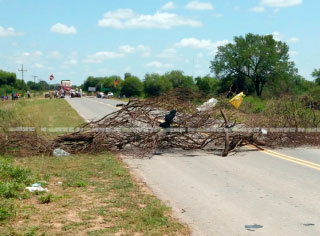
(100, 94)
(66, 85)
(75, 93)
(109, 95)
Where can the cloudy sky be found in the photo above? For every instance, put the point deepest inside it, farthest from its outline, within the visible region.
(75, 39)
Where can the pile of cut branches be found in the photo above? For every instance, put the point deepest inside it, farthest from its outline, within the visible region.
(140, 127)
(135, 129)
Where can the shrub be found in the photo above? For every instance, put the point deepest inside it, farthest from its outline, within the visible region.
(254, 104)
(6, 210)
(291, 112)
(46, 199)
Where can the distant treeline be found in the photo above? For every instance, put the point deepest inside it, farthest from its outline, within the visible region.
(255, 64)
(156, 84)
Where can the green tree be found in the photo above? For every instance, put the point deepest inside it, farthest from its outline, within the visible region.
(92, 82)
(316, 75)
(109, 83)
(7, 78)
(132, 86)
(179, 80)
(259, 58)
(127, 75)
(154, 84)
(207, 84)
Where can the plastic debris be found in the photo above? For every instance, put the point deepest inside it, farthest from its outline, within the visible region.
(59, 182)
(58, 152)
(37, 187)
(208, 105)
(264, 131)
(168, 119)
(237, 100)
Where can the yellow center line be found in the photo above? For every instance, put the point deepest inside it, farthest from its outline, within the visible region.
(289, 158)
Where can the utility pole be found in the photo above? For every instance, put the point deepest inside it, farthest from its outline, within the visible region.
(22, 70)
(34, 78)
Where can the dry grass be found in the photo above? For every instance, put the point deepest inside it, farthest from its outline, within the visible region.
(97, 197)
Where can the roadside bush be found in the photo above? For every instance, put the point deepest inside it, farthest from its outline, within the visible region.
(46, 199)
(11, 173)
(253, 104)
(13, 179)
(291, 112)
(132, 86)
(6, 210)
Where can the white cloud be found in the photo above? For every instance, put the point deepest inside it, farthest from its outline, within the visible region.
(280, 3)
(194, 43)
(196, 5)
(126, 49)
(168, 53)
(293, 53)
(127, 18)
(54, 55)
(38, 65)
(100, 57)
(63, 29)
(146, 51)
(201, 44)
(71, 62)
(28, 57)
(218, 15)
(277, 36)
(9, 32)
(258, 9)
(168, 6)
(157, 64)
(294, 40)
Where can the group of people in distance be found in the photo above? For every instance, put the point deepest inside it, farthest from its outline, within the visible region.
(14, 96)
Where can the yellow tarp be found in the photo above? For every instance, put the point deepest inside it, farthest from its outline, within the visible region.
(237, 100)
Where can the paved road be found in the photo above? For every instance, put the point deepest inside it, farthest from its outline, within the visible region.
(275, 192)
(92, 108)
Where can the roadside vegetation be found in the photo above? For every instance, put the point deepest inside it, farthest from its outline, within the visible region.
(257, 65)
(88, 194)
(38, 113)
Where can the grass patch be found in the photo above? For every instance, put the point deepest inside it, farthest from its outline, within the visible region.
(88, 195)
(38, 113)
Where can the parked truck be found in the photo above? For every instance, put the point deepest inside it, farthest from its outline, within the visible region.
(66, 86)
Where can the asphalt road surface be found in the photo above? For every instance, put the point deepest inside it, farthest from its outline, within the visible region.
(272, 193)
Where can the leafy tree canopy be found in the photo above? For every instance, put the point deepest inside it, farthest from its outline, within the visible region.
(316, 74)
(132, 86)
(154, 84)
(259, 58)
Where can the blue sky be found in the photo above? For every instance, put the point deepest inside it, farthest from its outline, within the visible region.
(75, 39)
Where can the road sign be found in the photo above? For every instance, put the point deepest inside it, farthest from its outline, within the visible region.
(92, 89)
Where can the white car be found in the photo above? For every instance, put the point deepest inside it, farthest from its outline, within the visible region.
(110, 95)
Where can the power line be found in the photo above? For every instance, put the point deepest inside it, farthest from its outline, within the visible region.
(22, 71)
